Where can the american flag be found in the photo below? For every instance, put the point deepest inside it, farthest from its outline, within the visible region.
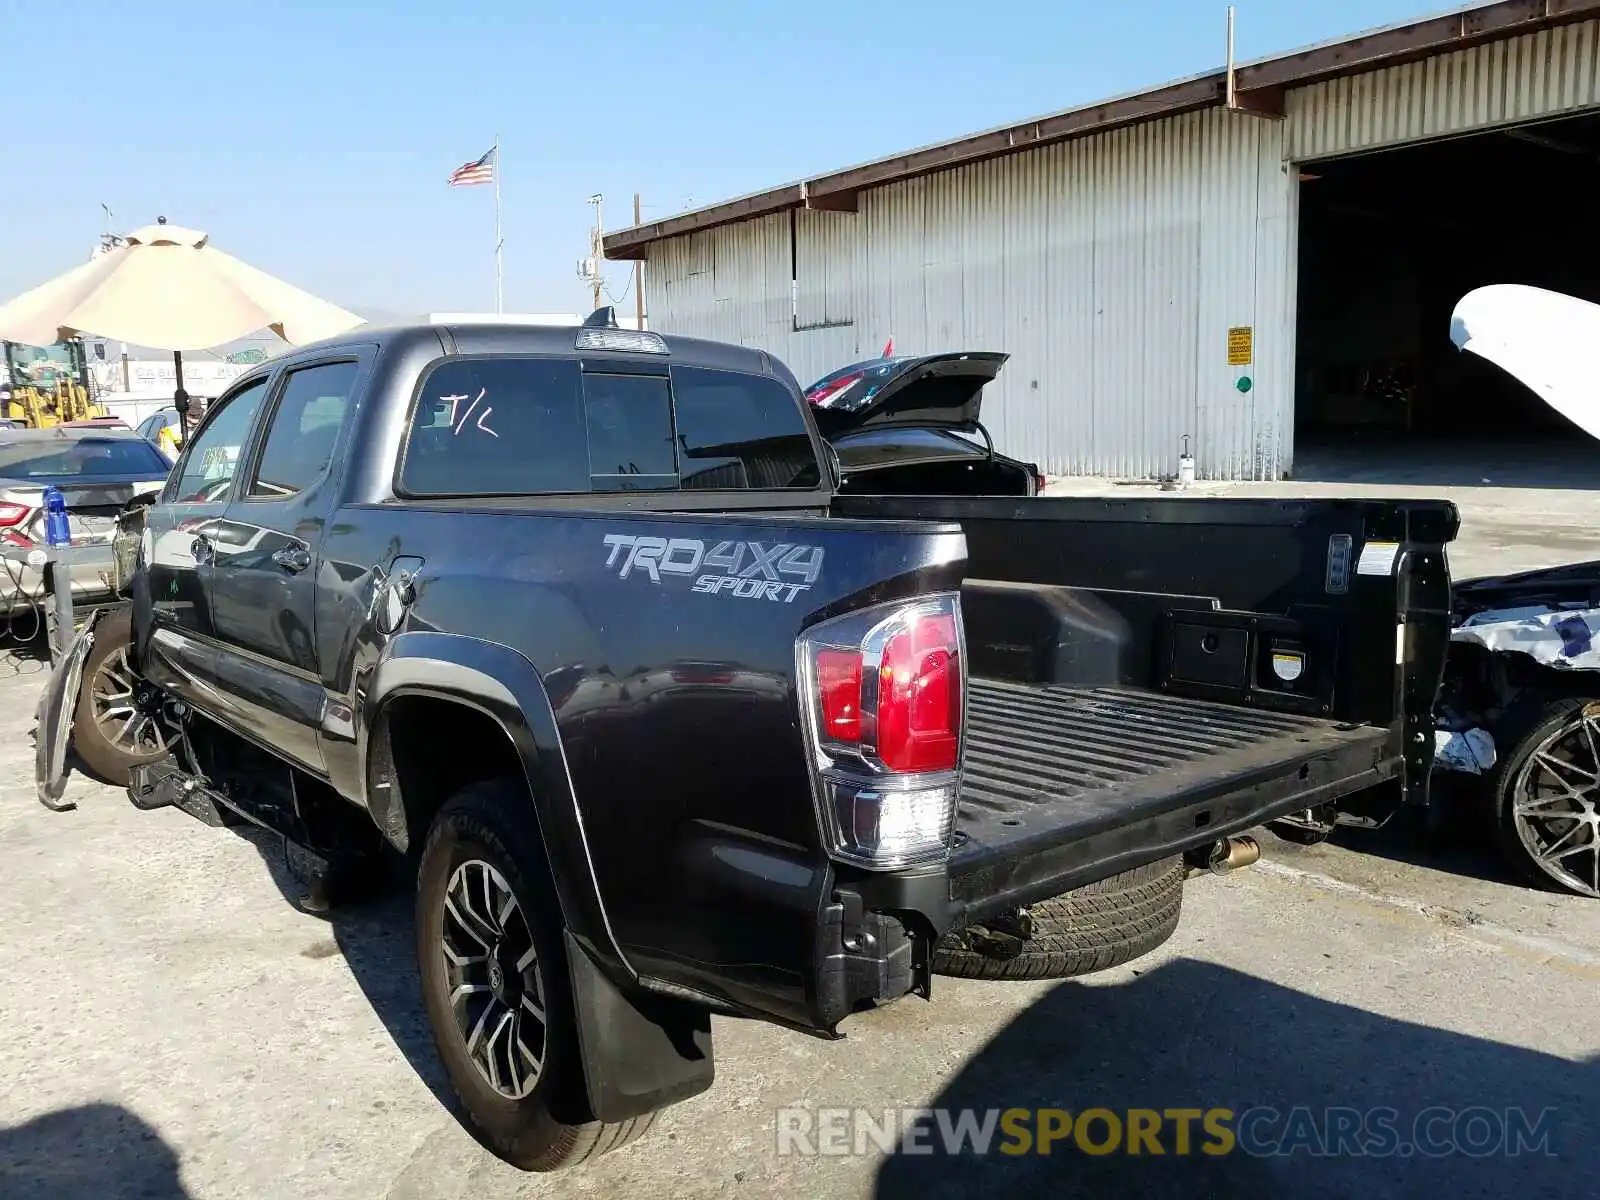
(480, 170)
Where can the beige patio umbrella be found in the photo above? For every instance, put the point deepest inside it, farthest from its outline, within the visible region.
(169, 287)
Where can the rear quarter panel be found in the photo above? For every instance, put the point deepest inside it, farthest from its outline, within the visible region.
(666, 644)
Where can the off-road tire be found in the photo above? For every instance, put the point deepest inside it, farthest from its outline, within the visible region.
(550, 1128)
(105, 760)
(1094, 928)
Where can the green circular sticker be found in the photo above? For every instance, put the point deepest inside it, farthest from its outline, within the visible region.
(1244, 384)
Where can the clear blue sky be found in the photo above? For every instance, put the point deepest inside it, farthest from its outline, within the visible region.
(314, 139)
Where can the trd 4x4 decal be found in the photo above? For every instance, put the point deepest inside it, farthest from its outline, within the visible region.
(747, 570)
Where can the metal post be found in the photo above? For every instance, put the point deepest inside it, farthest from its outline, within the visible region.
(499, 240)
(58, 552)
(1232, 97)
(180, 398)
(597, 238)
(638, 271)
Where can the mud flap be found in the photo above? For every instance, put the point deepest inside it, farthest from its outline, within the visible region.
(640, 1052)
(54, 716)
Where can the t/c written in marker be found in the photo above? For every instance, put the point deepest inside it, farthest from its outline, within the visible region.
(459, 424)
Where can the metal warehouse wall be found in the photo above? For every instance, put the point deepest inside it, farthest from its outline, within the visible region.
(1538, 75)
(1110, 268)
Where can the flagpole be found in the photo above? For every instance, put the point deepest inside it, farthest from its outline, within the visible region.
(499, 239)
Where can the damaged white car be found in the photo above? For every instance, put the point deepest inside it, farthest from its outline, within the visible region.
(1520, 704)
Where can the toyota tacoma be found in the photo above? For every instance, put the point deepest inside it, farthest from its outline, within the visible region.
(668, 723)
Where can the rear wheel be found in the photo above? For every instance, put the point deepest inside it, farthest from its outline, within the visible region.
(495, 986)
(1094, 928)
(120, 721)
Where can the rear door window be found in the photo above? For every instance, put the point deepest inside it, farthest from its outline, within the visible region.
(498, 427)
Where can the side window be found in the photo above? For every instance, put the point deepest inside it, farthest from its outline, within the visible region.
(740, 431)
(212, 456)
(498, 426)
(300, 441)
(629, 420)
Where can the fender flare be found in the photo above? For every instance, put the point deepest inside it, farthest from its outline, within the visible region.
(501, 683)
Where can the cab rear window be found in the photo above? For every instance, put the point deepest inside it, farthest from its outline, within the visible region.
(538, 426)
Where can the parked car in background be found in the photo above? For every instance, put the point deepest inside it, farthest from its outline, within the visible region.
(1519, 718)
(165, 430)
(1519, 712)
(911, 425)
(98, 470)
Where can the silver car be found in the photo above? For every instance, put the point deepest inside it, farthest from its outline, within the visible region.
(98, 470)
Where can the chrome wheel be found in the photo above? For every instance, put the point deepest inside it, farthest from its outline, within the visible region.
(492, 968)
(127, 710)
(1556, 804)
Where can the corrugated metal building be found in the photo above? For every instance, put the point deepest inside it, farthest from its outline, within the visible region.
(1115, 251)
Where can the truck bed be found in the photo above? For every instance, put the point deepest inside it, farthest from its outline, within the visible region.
(1061, 783)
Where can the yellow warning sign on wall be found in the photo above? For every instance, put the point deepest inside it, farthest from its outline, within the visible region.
(1241, 346)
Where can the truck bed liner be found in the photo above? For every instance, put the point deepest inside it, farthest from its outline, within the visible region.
(1074, 779)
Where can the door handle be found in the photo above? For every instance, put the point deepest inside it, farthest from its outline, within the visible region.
(201, 549)
(292, 558)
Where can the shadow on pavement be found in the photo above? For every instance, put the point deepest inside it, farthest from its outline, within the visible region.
(22, 655)
(378, 941)
(1462, 845)
(375, 935)
(97, 1150)
(1198, 1036)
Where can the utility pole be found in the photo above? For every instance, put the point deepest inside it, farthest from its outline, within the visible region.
(589, 268)
(599, 282)
(638, 270)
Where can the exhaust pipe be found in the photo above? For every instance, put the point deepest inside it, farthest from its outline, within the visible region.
(1228, 854)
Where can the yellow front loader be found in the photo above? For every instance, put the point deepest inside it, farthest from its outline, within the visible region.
(41, 405)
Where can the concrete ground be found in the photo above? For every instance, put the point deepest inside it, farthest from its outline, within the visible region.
(173, 1025)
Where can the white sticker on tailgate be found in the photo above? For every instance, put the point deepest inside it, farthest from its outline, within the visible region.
(1377, 558)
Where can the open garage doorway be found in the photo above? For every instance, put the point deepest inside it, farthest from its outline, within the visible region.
(1389, 242)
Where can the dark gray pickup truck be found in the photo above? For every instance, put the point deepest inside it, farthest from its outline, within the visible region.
(669, 725)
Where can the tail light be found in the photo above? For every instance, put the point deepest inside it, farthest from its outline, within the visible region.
(11, 517)
(883, 700)
(823, 394)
